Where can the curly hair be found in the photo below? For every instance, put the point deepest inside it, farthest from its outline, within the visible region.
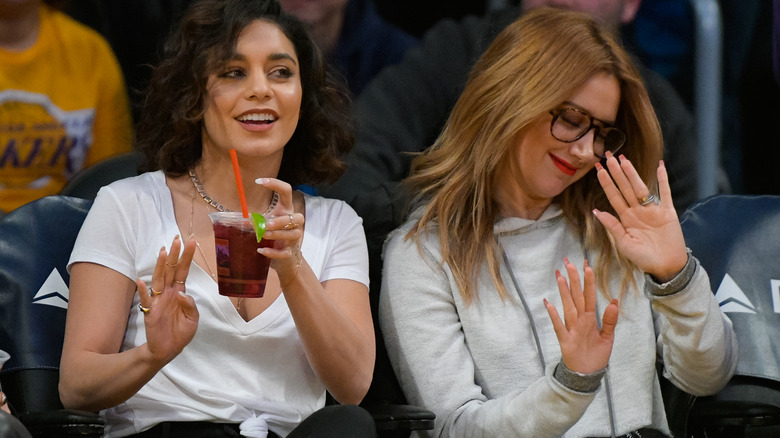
(169, 129)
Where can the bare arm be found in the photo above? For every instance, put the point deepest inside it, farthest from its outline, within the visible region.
(333, 318)
(94, 374)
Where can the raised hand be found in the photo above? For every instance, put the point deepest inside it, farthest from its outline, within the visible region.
(584, 348)
(170, 315)
(647, 233)
(285, 228)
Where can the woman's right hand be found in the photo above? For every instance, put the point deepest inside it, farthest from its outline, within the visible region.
(584, 348)
(172, 317)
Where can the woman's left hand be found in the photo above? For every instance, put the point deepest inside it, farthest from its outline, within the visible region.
(285, 228)
(647, 233)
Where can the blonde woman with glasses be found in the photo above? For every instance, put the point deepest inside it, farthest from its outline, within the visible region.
(543, 273)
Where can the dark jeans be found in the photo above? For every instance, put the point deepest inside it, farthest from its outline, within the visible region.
(336, 421)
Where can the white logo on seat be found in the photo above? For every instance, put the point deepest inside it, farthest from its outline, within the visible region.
(732, 299)
(53, 292)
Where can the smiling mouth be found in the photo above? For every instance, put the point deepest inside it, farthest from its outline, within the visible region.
(257, 119)
(563, 166)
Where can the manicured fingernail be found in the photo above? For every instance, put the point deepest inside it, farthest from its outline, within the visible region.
(557, 273)
(566, 260)
(181, 292)
(599, 167)
(609, 154)
(176, 238)
(614, 301)
(596, 211)
(259, 250)
(545, 301)
(261, 181)
(662, 164)
(162, 248)
(623, 157)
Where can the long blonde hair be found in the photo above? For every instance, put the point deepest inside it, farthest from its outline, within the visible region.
(531, 67)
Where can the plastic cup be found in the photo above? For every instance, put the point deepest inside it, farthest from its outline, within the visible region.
(241, 270)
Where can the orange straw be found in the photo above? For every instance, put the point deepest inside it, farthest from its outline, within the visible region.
(239, 183)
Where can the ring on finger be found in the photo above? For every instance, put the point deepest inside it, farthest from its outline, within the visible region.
(143, 309)
(154, 291)
(645, 200)
(178, 281)
(291, 225)
(170, 265)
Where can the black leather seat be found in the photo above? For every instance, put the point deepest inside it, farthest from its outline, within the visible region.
(737, 239)
(86, 183)
(35, 243)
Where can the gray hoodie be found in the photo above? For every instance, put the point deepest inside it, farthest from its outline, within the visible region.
(478, 368)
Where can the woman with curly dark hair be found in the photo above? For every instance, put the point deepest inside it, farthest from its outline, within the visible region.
(149, 340)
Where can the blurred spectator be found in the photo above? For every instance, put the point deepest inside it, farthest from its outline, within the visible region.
(135, 30)
(411, 17)
(749, 90)
(63, 102)
(661, 36)
(356, 40)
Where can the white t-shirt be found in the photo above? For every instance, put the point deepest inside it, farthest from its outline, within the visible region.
(233, 370)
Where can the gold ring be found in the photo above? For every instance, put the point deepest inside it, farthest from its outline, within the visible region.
(170, 265)
(144, 309)
(291, 225)
(645, 200)
(179, 281)
(155, 292)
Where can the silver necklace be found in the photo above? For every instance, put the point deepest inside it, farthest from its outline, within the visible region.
(219, 207)
(197, 244)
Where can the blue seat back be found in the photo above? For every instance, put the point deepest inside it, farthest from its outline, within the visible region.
(737, 239)
(35, 244)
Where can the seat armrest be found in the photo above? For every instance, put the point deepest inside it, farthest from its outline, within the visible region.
(63, 422)
(401, 417)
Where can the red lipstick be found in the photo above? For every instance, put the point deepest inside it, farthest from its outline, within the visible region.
(563, 165)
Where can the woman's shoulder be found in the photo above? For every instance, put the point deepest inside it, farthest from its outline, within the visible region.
(405, 239)
(323, 213)
(328, 206)
(135, 190)
(137, 184)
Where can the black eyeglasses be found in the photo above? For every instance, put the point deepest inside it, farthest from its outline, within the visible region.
(571, 124)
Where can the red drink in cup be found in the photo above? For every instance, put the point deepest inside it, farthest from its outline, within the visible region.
(241, 270)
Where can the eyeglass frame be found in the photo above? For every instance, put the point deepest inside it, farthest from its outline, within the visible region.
(557, 112)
